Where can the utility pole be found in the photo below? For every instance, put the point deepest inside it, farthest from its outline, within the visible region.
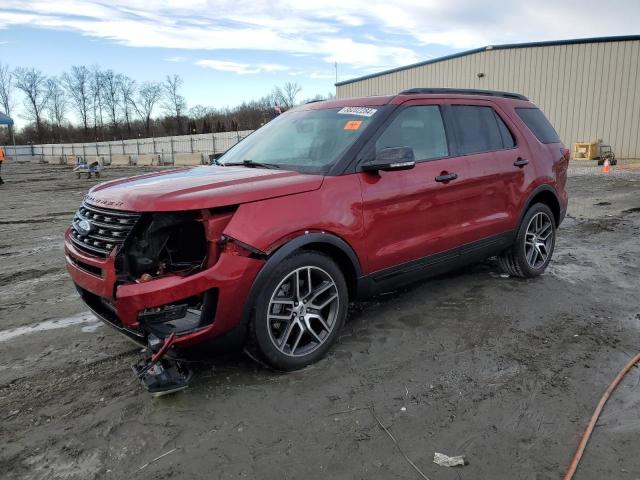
(335, 64)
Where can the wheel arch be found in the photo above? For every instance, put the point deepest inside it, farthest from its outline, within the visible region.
(327, 243)
(547, 195)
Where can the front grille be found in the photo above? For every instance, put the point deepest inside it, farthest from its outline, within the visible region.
(107, 229)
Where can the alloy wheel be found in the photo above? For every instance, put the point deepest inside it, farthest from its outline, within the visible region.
(538, 240)
(302, 311)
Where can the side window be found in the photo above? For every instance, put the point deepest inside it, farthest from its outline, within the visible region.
(419, 127)
(480, 129)
(538, 124)
(507, 137)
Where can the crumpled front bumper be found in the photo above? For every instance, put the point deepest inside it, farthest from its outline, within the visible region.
(120, 304)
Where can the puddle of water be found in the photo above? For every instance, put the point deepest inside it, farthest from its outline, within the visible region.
(80, 318)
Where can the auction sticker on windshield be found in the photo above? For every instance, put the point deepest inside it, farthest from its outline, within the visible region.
(360, 111)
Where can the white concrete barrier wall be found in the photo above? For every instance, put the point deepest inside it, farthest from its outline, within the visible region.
(168, 148)
(188, 159)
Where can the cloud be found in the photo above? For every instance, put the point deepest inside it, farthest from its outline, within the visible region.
(176, 59)
(281, 27)
(241, 68)
(361, 34)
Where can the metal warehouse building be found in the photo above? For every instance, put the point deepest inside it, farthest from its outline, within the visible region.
(589, 88)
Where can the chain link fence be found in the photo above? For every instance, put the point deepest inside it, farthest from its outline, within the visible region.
(184, 149)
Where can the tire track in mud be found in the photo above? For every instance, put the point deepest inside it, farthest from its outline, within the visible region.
(37, 220)
(28, 274)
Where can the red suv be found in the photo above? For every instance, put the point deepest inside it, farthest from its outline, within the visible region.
(329, 202)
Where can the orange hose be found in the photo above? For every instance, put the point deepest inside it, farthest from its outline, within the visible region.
(573, 466)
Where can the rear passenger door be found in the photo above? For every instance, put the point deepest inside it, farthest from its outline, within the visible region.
(496, 156)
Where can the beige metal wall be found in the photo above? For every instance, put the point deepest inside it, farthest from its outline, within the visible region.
(588, 91)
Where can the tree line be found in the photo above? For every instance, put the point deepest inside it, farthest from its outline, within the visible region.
(113, 106)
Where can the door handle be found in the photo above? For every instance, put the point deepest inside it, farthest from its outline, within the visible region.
(521, 162)
(446, 177)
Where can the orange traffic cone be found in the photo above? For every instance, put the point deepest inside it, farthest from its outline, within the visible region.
(606, 168)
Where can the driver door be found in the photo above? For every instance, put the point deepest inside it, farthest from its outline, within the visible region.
(413, 214)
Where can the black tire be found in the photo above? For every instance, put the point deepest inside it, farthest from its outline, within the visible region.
(264, 330)
(514, 260)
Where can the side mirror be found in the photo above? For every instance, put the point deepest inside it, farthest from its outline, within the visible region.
(391, 159)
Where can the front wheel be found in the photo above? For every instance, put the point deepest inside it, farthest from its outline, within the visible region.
(531, 252)
(300, 311)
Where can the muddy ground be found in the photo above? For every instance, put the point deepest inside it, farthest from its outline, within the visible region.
(502, 370)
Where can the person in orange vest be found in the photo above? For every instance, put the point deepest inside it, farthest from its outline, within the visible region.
(1, 160)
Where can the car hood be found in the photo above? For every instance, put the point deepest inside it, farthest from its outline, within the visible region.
(199, 187)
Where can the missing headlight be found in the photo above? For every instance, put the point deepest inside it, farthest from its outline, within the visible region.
(165, 243)
(186, 249)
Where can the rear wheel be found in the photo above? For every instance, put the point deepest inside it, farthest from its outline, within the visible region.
(300, 311)
(532, 250)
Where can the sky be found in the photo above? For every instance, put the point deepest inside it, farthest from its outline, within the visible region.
(229, 52)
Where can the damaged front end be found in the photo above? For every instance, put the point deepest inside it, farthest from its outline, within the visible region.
(171, 280)
(166, 245)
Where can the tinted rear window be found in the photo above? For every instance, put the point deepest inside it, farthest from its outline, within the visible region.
(538, 124)
(480, 129)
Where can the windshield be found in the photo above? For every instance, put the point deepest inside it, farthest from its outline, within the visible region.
(310, 141)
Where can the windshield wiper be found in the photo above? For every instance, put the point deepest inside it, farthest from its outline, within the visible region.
(252, 164)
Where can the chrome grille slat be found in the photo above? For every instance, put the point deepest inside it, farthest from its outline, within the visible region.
(113, 227)
(106, 225)
(120, 214)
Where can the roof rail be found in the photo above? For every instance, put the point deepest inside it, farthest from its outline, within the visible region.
(463, 91)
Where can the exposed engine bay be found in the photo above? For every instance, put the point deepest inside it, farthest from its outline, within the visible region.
(163, 243)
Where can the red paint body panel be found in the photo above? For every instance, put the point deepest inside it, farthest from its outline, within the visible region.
(408, 215)
(335, 208)
(386, 218)
(198, 188)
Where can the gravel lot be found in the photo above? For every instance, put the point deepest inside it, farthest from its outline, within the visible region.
(502, 370)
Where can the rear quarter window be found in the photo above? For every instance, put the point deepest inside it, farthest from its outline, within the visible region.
(480, 129)
(535, 120)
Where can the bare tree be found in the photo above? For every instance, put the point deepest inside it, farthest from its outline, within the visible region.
(127, 92)
(174, 103)
(148, 96)
(286, 96)
(33, 83)
(96, 85)
(6, 92)
(111, 94)
(291, 91)
(76, 84)
(56, 104)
